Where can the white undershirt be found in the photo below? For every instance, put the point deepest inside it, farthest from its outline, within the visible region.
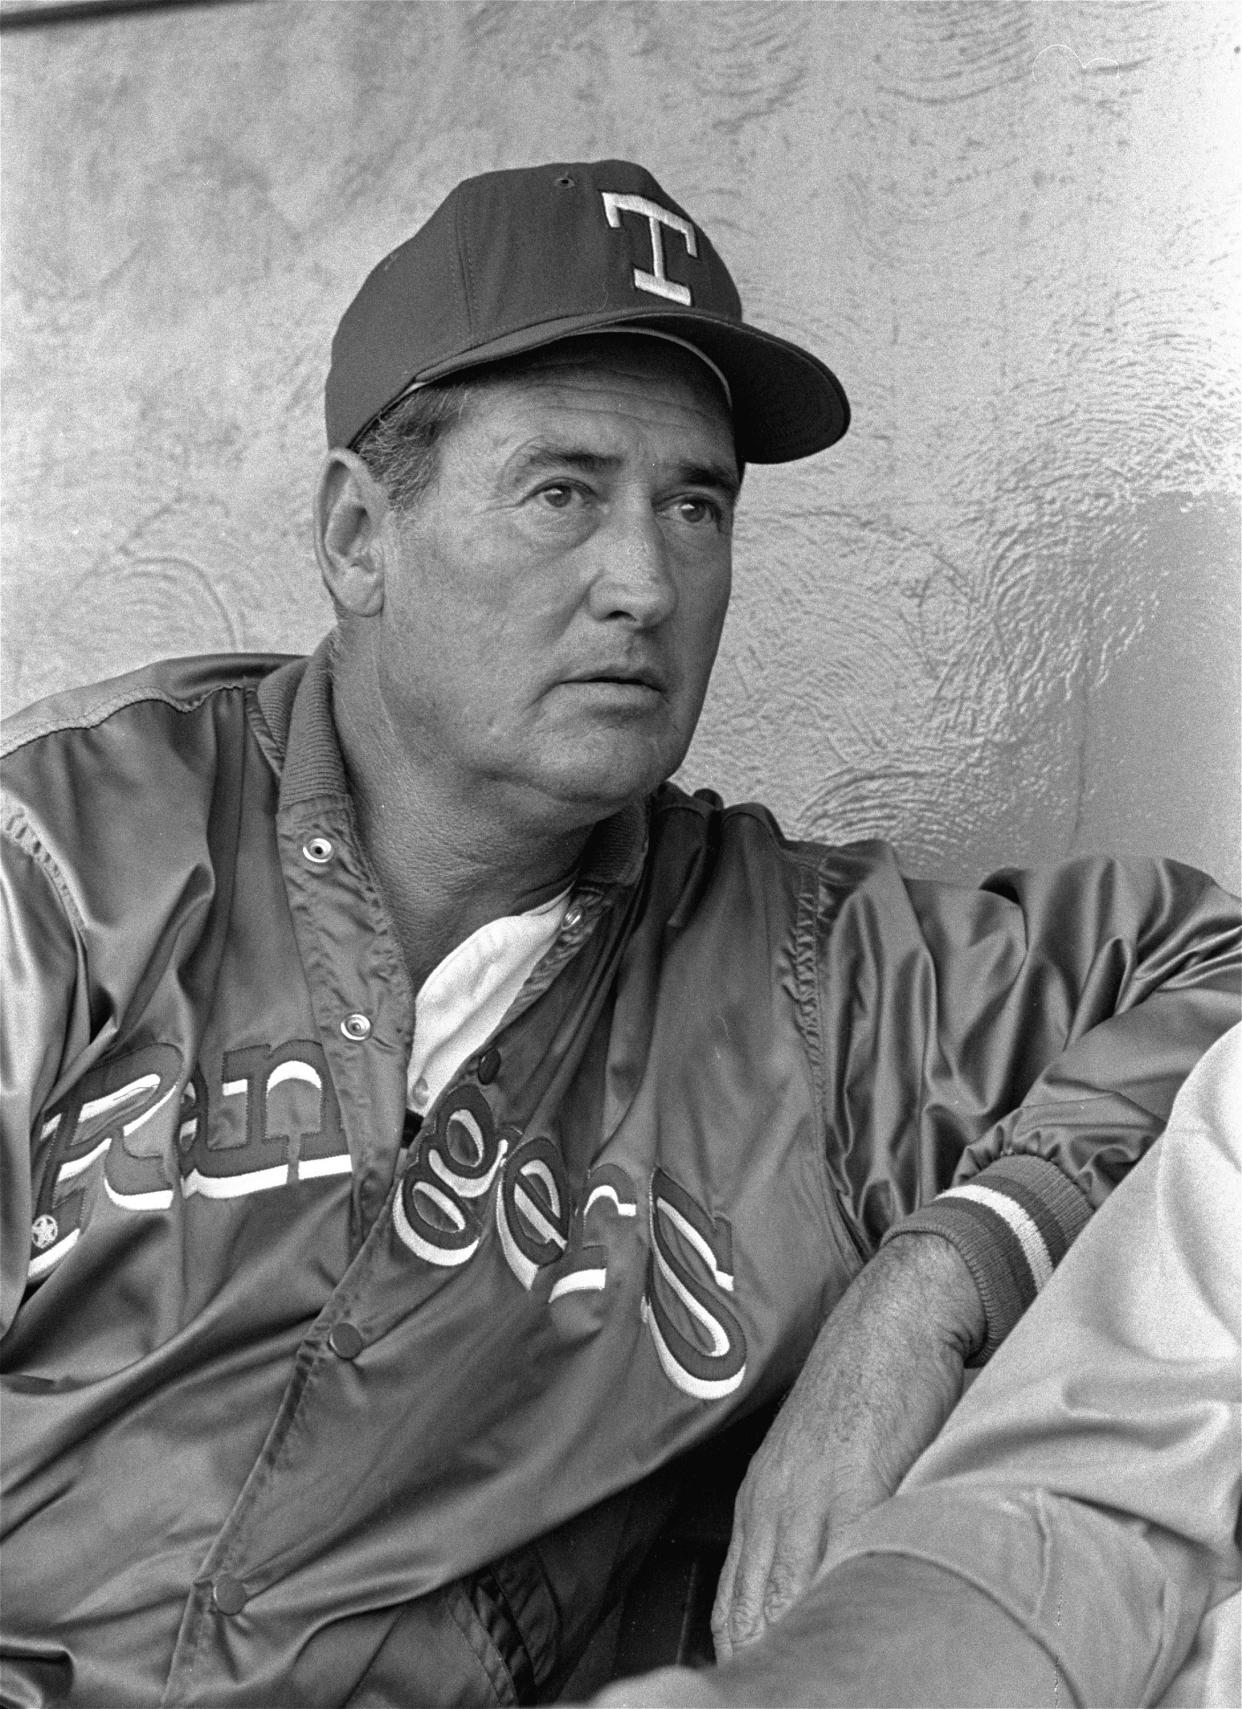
(464, 999)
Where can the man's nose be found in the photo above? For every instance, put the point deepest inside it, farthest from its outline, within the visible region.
(633, 575)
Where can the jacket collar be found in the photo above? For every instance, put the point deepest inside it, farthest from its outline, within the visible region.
(296, 704)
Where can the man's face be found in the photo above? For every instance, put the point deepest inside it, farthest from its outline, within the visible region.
(555, 599)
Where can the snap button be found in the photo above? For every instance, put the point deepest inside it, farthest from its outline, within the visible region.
(43, 1232)
(356, 1027)
(345, 1340)
(229, 1594)
(318, 851)
(489, 1066)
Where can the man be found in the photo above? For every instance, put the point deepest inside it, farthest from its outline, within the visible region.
(424, 1123)
(1060, 1541)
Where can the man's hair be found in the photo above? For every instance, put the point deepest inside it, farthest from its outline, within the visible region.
(401, 447)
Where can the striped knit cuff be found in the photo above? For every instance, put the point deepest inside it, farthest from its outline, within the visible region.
(1012, 1224)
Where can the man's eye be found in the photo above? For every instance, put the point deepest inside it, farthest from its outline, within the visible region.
(699, 510)
(558, 497)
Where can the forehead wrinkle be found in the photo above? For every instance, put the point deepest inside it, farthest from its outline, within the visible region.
(584, 416)
(549, 454)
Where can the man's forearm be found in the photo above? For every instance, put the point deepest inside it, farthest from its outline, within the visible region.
(923, 1277)
(882, 1377)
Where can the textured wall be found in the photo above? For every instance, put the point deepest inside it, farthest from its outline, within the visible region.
(998, 623)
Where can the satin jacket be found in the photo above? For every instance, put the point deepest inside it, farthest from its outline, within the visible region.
(302, 1407)
(1073, 1531)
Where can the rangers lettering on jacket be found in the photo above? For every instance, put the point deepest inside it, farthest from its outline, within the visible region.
(466, 1165)
(138, 1132)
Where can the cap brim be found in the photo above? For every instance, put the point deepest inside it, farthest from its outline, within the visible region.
(786, 402)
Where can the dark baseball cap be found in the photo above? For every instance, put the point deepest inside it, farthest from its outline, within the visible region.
(512, 261)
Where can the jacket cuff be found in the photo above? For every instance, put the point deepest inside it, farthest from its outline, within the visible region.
(1012, 1223)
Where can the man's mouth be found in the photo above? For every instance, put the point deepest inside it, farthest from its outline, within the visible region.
(623, 676)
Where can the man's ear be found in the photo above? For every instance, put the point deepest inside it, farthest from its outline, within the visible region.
(350, 506)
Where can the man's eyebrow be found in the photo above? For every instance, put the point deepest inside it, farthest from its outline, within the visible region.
(547, 455)
(721, 475)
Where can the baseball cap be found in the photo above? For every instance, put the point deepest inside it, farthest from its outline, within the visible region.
(512, 261)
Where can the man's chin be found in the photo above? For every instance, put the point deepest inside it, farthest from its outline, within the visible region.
(599, 781)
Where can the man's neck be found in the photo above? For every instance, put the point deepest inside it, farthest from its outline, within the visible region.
(446, 865)
(443, 878)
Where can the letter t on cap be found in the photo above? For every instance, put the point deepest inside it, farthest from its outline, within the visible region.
(657, 281)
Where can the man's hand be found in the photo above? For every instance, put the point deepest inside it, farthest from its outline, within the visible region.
(882, 1377)
(668, 1688)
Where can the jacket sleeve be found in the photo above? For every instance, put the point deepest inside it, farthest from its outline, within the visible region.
(1088, 1485)
(997, 1059)
(1061, 1539)
(44, 1006)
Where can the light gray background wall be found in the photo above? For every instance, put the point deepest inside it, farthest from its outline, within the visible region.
(998, 623)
